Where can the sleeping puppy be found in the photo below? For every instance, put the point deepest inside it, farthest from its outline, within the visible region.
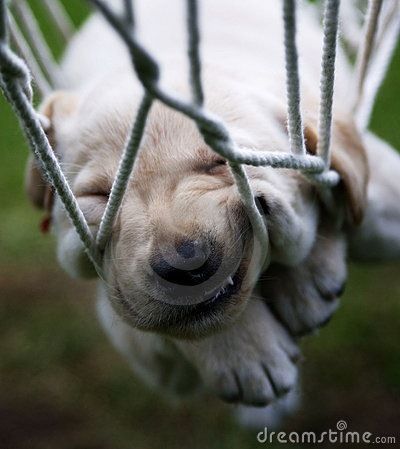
(180, 297)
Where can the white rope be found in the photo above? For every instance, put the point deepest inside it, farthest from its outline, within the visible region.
(193, 52)
(295, 126)
(19, 41)
(330, 26)
(60, 18)
(364, 56)
(351, 18)
(123, 173)
(38, 42)
(15, 81)
(130, 19)
(381, 32)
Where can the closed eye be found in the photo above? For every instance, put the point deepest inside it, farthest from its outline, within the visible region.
(206, 161)
(92, 183)
(92, 189)
(92, 193)
(214, 167)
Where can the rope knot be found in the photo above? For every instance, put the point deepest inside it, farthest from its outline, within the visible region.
(13, 70)
(11, 65)
(146, 68)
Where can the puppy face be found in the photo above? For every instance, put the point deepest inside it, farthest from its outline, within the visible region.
(178, 261)
(182, 258)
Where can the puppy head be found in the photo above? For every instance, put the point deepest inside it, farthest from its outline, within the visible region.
(182, 258)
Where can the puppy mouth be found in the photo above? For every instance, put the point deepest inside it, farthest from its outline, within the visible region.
(220, 296)
(218, 306)
(230, 287)
(190, 320)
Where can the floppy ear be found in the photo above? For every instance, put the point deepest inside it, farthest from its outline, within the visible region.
(37, 188)
(349, 159)
(378, 237)
(55, 108)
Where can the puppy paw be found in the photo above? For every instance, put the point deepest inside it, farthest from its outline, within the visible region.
(271, 416)
(253, 362)
(305, 297)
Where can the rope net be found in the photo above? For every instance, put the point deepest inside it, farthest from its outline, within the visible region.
(15, 81)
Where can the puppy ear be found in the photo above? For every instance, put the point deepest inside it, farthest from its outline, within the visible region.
(378, 237)
(54, 110)
(37, 188)
(349, 159)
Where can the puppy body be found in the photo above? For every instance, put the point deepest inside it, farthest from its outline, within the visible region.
(242, 349)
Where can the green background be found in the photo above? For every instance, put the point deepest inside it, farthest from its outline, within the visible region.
(63, 386)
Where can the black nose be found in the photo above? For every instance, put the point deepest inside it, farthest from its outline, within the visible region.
(189, 262)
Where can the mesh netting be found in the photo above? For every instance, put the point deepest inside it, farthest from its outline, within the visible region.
(16, 84)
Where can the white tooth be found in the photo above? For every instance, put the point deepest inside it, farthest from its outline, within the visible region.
(230, 280)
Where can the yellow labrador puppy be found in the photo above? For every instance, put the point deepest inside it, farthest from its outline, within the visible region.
(179, 298)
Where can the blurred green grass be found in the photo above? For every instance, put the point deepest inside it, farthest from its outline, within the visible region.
(63, 386)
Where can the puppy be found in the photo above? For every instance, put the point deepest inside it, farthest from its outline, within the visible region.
(180, 298)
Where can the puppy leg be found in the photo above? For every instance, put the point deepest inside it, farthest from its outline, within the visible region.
(378, 237)
(304, 297)
(152, 357)
(253, 362)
